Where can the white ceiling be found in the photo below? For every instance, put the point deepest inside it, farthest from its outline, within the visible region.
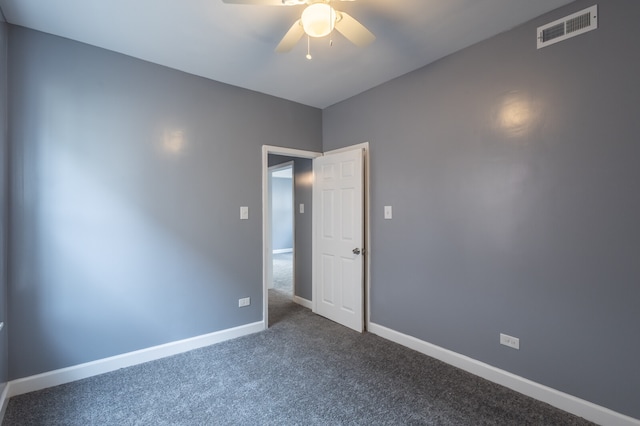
(235, 44)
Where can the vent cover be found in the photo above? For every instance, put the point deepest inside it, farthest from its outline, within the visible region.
(567, 27)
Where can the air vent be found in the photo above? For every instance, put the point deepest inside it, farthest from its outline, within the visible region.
(567, 27)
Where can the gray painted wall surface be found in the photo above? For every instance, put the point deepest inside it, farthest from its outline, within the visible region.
(4, 206)
(126, 191)
(282, 218)
(303, 179)
(303, 194)
(514, 176)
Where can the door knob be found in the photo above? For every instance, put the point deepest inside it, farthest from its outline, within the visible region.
(356, 251)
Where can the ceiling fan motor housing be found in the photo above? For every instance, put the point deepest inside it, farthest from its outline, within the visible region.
(318, 19)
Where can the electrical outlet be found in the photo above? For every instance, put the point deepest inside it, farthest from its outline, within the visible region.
(246, 301)
(512, 342)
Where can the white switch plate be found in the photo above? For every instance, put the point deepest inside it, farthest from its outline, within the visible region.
(512, 342)
(244, 213)
(246, 301)
(388, 212)
(301, 208)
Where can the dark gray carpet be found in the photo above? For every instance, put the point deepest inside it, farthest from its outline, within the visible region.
(283, 272)
(304, 370)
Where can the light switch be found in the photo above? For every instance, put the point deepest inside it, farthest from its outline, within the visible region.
(244, 213)
(301, 208)
(388, 212)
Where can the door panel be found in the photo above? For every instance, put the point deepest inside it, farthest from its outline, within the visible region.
(339, 214)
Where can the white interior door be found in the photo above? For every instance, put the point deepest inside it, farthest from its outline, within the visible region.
(338, 265)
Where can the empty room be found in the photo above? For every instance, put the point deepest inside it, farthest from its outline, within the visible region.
(462, 198)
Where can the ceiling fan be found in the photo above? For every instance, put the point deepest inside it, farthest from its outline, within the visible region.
(318, 19)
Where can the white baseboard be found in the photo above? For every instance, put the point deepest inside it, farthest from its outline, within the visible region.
(93, 368)
(561, 400)
(4, 401)
(304, 302)
(284, 250)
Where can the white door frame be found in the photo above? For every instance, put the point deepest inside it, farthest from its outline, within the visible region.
(266, 218)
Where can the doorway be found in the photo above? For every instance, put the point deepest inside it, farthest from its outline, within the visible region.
(308, 289)
(287, 259)
(281, 199)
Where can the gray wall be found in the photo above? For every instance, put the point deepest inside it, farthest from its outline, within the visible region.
(4, 228)
(126, 188)
(303, 194)
(513, 173)
(122, 241)
(303, 181)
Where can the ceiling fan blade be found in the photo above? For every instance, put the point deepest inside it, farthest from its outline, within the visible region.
(353, 30)
(290, 39)
(266, 2)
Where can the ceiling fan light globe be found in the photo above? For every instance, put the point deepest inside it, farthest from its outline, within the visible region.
(318, 20)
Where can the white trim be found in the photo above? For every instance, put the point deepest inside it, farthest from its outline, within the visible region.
(282, 166)
(289, 152)
(303, 302)
(561, 400)
(101, 366)
(4, 401)
(282, 251)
